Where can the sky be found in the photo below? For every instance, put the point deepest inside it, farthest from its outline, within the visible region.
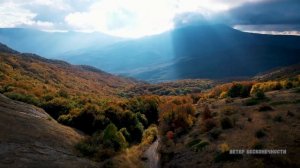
(137, 18)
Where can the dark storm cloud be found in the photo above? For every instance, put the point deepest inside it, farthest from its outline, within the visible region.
(284, 12)
(271, 27)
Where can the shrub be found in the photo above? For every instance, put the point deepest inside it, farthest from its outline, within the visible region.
(265, 107)
(126, 119)
(63, 93)
(104, 155)
(193, 143)
(150, 135)
(215, 133)
(65, 119)
(257, 145)
(277, 103)
(266, 86)
(260, 95)
(195, 98)
(142, 118)
(126, 134)
(120, 141)
(137, 132)
(100, 121)
(1, 76)
(6, 88)
(228, 110)
(109, 133)
(174, 116)
(251, 102)
(57, 107)
(147, 105)
(223, 154)
(223, 95)
(85, 121)
(112, 138)
(86, 148)
(289, 113)
(260, 133)
(278, 86)
(287, 84)
(200, 146)
(197, 145)
(209, 124)
(114, 112)
(224, 147)
(170, 135)
(278, 118)
(297, 90)
(235, 90)
(151, 109)
(206, 113)
(240, 90)
(23, 98)
(229, 100)
(48, 97)
(226, 123)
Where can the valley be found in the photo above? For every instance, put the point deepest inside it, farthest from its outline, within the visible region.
(149, 84)
(114, 121)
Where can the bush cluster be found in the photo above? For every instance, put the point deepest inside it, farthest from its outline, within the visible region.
(177, 115)
(239, 90)
(26, 98)
(245, 89)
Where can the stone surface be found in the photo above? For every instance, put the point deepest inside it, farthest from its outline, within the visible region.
(29, 137)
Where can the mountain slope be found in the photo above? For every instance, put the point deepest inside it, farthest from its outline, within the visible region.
(250, 128)
(29, 137)
(279, 73)
(32, 74)
(50, 44)
(194, 51)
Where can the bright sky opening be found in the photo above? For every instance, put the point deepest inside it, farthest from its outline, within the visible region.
(125, 18)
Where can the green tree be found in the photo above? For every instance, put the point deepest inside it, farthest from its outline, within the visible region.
(113, 138)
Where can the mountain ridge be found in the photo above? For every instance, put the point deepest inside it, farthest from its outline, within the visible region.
(58, 75)
(215, 50)
(51, 44)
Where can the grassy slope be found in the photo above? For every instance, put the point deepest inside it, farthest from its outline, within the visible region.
(280, 134)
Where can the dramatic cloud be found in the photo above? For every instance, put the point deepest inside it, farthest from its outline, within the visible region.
(124, 17)
(13, 15)
(267, 17)
(135, 18)
(268, 12)
(276, 29)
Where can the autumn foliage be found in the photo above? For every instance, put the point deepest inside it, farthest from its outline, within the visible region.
(177, 115)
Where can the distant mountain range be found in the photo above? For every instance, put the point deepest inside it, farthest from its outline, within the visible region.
(194, 51)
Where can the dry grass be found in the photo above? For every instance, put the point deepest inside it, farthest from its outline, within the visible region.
(280, 128)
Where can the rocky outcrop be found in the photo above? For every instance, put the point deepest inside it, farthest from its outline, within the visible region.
(29, 137)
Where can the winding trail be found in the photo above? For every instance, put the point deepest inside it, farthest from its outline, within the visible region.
(153, 157)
